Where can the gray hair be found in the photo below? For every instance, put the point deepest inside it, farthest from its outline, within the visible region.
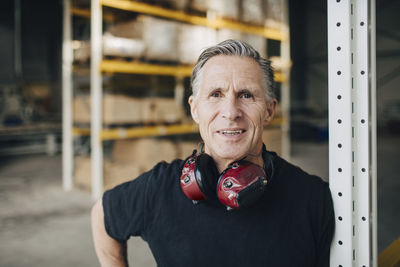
(234, 48)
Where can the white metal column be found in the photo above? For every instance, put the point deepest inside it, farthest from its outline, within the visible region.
(285, 86)
(96, 99)
(352, 129)
(67, 57)
(373, 132)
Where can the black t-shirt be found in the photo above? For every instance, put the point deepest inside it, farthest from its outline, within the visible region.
(292, 224)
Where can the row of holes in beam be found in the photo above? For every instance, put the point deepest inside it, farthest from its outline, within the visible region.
(338, 48)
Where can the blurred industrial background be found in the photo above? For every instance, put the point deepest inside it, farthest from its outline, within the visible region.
(147, 53)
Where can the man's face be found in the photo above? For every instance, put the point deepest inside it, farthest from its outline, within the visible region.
(231, 108)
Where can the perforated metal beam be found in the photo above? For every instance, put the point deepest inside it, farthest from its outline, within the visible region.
(352, 130)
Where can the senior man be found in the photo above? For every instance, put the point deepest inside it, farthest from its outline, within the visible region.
(232, 203)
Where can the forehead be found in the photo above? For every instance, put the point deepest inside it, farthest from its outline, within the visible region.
(225, 71)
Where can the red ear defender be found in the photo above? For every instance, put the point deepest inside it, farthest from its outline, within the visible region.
(240, 185)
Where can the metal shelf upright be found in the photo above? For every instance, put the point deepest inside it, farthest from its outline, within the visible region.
(352, 131)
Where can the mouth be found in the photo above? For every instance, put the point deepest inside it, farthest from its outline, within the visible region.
(231, 132)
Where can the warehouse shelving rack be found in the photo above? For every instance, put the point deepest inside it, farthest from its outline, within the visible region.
(99, 66)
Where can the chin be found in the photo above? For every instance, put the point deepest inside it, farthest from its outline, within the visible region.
(231, 153)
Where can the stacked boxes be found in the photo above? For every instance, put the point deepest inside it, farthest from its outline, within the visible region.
(252, 12)
(122, 47)
(192, 40)
(161, 39)
(122, 109)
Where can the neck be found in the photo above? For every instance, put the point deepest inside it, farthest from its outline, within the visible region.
(222, 164)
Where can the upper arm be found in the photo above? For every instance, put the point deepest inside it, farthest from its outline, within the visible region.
(98, 229)
(110, 252)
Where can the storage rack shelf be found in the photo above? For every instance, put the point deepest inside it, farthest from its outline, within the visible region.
(216, 23)
(118, 66)
(114, 66)
(143, 131)
(85, 13)
(99, 66)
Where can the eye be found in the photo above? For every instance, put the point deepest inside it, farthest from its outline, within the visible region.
(215, 94)
(246, 95)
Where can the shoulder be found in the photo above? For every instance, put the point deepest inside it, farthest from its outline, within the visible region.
(164, 173)
(167, 167)
(294, 174)
(308, 192)
(295, 183)
(159, 174)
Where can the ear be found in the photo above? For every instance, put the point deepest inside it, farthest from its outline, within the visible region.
(193, 108)
(270, 111)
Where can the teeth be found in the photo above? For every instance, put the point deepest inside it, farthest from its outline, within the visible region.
(232, 132)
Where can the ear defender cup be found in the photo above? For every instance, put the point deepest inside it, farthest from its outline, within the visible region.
(199, 178)
(188, 181)
(241, 185)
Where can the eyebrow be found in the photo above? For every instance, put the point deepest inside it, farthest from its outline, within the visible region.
(246, 89)
(242, 88)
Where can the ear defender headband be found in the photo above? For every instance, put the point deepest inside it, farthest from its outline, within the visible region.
(240, 185)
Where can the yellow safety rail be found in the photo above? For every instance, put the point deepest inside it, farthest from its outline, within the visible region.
(85, 13)
(216, 23)
(123, 133)
(279, 77)
(136, 132)
(144, 68)
(119, 66)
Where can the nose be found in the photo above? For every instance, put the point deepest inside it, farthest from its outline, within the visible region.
(231, 108)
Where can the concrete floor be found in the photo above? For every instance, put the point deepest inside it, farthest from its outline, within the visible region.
(41, 225)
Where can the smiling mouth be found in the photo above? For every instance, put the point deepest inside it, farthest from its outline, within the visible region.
(231, 132)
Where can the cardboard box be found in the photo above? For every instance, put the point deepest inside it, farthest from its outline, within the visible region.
(258, 42)
(121, 109)
(117, 109)
(252, 12)
(225, 34)
(144, 153)
(114, 173)
(161, 38)
(273, 10)
(81, 51)
(178, 4)
(222, 8)
(225, 8)
(132, 29)
(123, 47)
(161, 110)
(81, 109)
(193, 40)
(199, 5)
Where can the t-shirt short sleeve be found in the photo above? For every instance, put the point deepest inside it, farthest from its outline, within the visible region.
(124, 208)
